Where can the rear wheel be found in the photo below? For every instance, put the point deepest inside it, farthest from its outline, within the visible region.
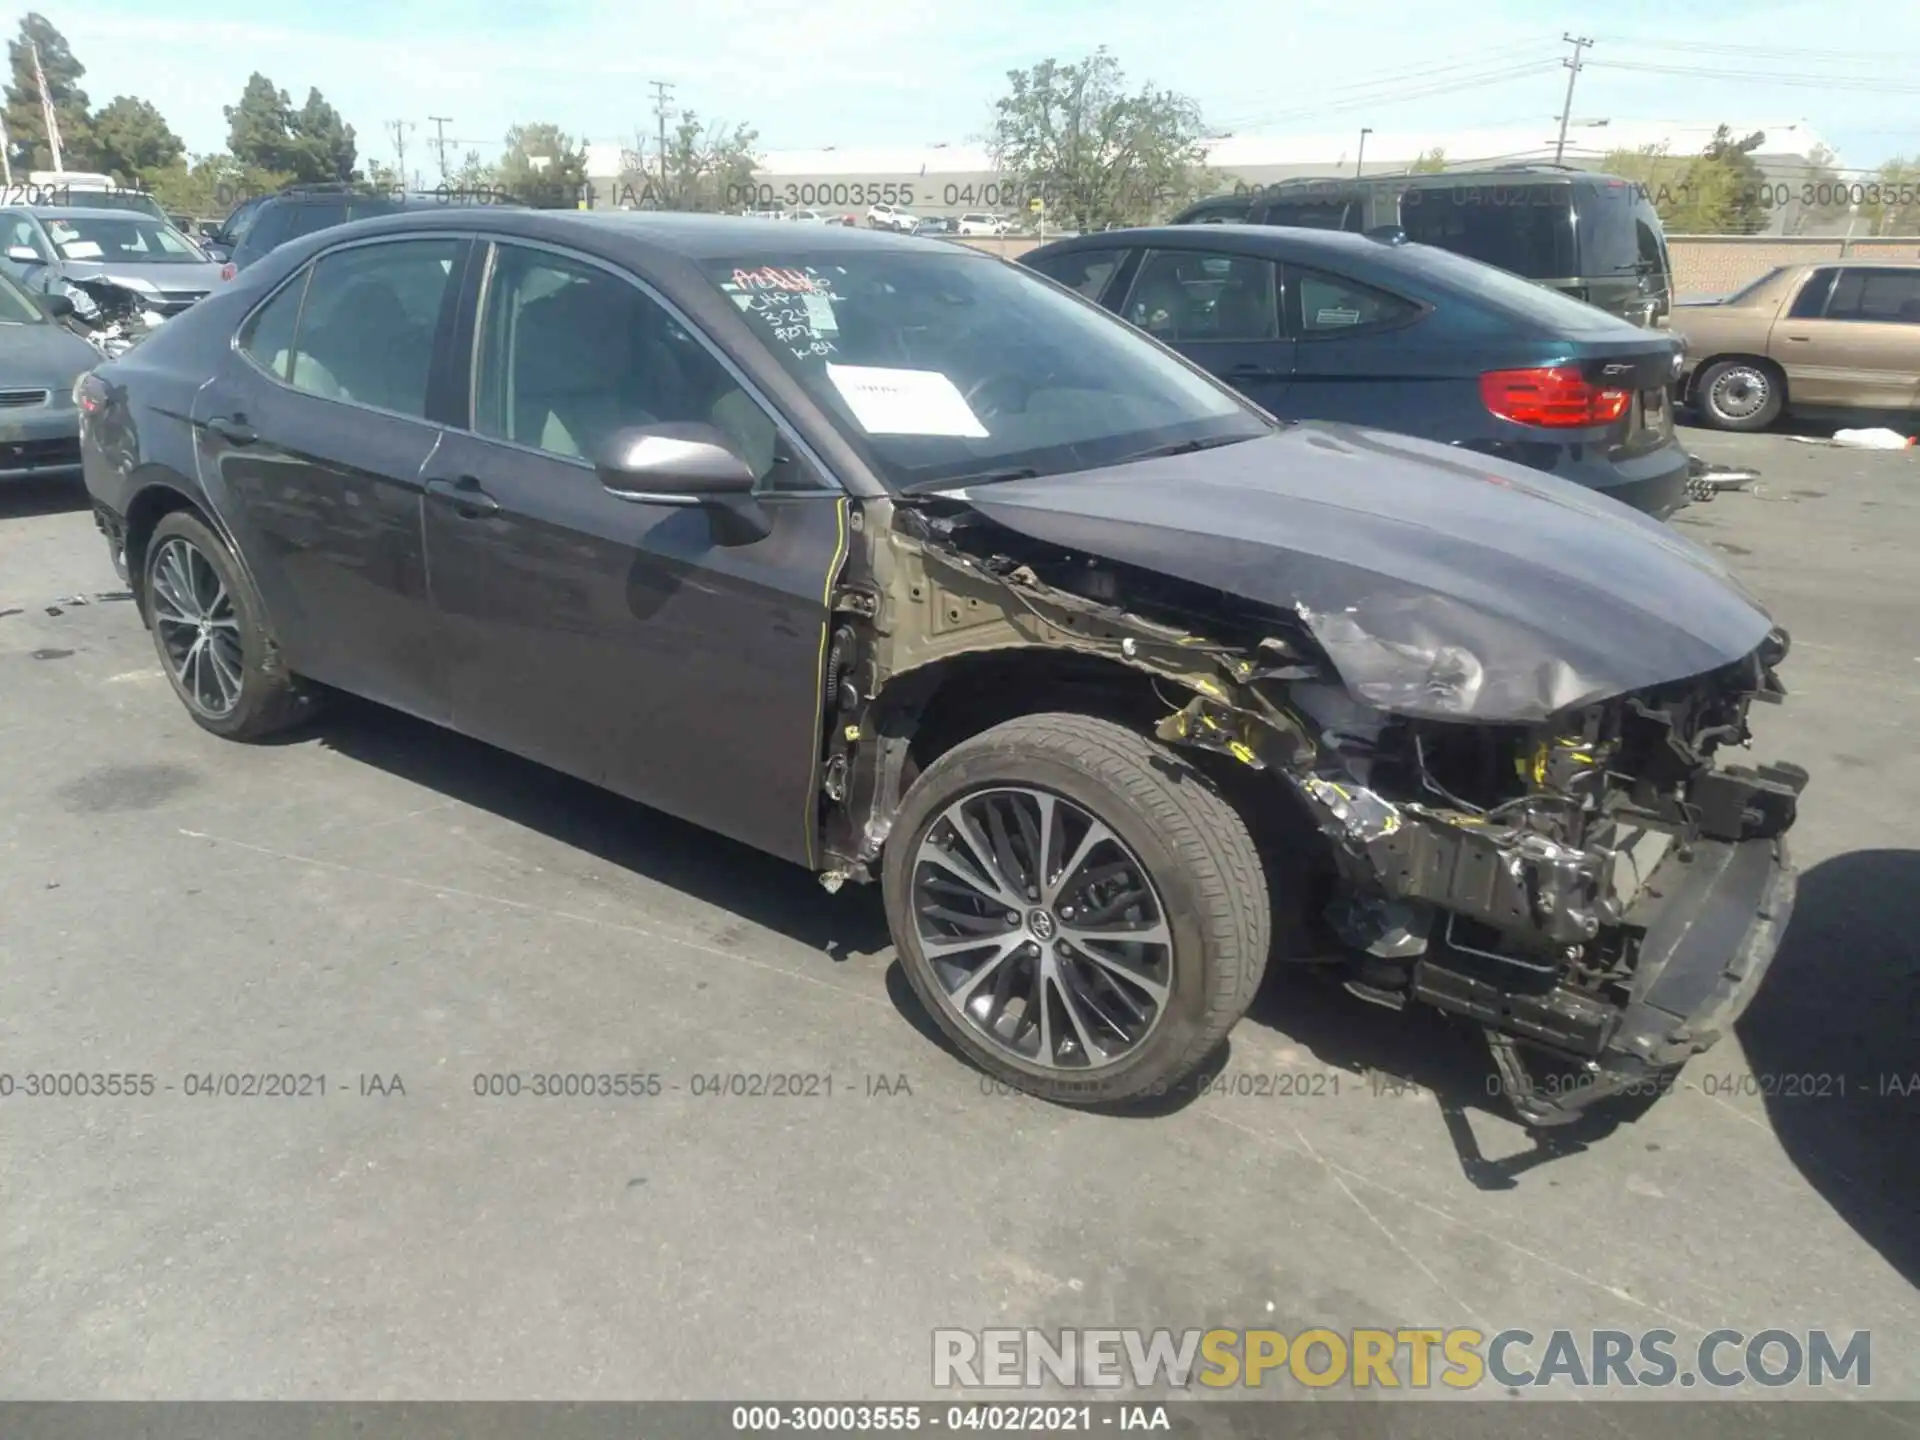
(1078, 907)
(1739, 395)
(210, 631)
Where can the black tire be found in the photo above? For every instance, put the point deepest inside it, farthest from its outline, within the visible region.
(1197, 851)
(270, 698)
(1739, 395)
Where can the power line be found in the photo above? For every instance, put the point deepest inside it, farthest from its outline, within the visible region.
(1774, 77)
(1579, 44)
(1396, 97)
(1386, 80)
(1714, 47)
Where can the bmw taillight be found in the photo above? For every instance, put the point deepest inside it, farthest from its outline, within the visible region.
(1555, 396)
(228, 271)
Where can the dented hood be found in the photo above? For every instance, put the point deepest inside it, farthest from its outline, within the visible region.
(1439, 583)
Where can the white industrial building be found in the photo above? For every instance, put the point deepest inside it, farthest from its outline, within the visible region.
(950, 179)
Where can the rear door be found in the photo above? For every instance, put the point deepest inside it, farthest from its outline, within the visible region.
(311, 440)
(1851, 337)
(1354, 359)
(1221, 310)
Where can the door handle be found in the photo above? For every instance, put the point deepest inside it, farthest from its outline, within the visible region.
(233, 428)
(1255, 372)
(465, 495)
(1802, 339)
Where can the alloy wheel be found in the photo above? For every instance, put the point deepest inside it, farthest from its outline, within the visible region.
(1739, 394)
(1043, 928)
(198, 626)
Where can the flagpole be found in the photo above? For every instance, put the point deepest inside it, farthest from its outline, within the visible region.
(46, 106)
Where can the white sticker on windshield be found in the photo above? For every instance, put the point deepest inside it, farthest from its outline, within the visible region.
(905, 402)
(81, 250)
(820, 314)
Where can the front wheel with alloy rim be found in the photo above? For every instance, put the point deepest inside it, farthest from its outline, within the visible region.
(1738, 395)
(1078, 907)
(210, 632)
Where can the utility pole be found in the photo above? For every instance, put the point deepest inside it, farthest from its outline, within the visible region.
(1360, 159)
(1579, 43)
(662, 98)
(440, 141)
(398, 130)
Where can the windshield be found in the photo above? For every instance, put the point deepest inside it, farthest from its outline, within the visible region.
(15, 307)
(948, 364)
(133, 240)
(1527, 229)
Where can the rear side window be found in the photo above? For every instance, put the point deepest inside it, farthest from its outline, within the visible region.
(1525, 229)
(1811, 302)
(1329, 305)
(267, 339)
(1619, 232)
(1876, 296)
(1087, 271)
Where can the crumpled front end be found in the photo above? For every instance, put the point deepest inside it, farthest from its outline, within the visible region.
(1601, 890)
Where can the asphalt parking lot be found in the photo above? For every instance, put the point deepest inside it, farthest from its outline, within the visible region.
(405, 913)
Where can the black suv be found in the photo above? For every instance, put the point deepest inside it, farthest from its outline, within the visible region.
(1593, 236)
(304, 209)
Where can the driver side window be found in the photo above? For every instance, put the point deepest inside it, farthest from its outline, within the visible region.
(570, 353)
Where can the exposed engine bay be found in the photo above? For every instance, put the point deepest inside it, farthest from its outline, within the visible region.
(110, 317)
(1583, 886)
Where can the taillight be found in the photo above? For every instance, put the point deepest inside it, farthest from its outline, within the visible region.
(228, 271)
(1555, 396)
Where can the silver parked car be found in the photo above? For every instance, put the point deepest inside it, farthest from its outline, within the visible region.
(48, 247)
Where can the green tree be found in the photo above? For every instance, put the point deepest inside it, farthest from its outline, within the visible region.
(708, 167)
(27, 143)
(1720, 191)
(1817, 195)
(208, 186)
(321, 145)
(473, 173)
(260, 127)
(1891, 203)
(544, 167)
(1095, 153)
(1430, 162)
(133, 141)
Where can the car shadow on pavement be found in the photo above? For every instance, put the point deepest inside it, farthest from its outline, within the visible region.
(23, 499)
(1419, 1053)
(759, 888)
(1832, 1044)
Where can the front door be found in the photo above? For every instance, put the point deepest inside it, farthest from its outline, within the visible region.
(1861, 348)
(1221, 311)
(336, 368)
(613, 639)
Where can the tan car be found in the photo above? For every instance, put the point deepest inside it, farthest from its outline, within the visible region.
(1840, 336)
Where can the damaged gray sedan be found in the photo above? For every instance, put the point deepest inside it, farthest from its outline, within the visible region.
(914, 568)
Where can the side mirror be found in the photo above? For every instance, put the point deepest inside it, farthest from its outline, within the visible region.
(685, 464)
(23, 255)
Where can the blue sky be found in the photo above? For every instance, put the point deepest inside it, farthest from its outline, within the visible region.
(914, 72)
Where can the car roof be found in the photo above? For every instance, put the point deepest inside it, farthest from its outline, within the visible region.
(641, 234)
(1278, 241)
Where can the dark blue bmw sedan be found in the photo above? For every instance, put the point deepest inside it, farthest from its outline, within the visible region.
(1380, 332)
